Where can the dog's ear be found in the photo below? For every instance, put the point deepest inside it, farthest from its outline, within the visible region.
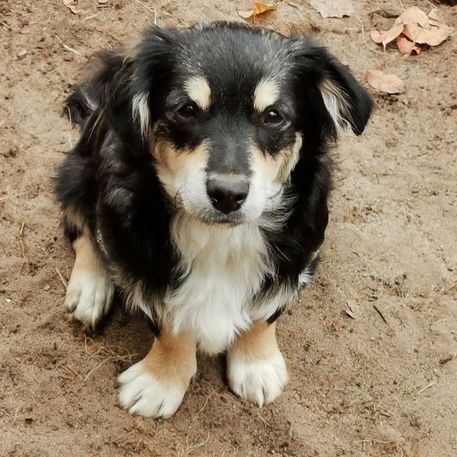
(346, 102)
(126, 86)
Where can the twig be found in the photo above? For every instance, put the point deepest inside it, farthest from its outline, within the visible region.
(380, 313)
(427, 386)
(374, 441)
(15, 415)
(114, 357)
(73, 371)
(62, 279)
(89, 17)
(191, 447)
(68, 48)
(206, 402)
(362, 31)
(147, 7)
(264, 421)
(21, 243)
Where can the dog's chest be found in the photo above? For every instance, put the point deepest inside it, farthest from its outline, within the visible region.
(223, 268)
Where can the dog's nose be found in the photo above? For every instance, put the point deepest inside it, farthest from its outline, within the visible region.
(227, 194)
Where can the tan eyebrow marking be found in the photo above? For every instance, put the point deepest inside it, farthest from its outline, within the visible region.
(265, 94)
(198, 90)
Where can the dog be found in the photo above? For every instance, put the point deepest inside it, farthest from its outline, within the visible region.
(198, 189)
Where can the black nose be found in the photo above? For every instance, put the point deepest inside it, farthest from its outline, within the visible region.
(227, 194)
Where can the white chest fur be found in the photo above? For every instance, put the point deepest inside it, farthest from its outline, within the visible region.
(223, 268)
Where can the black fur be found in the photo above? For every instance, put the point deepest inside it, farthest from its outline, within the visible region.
(110, 179)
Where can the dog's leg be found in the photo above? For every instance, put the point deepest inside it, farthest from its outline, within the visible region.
(256, 369)
(90, 290)
(156, 386)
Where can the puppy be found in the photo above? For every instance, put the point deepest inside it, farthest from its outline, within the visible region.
(198, 189)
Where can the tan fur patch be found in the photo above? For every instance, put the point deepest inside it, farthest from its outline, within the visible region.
(259, 342)
(74, 218)
(172, 359)
(87, 259)
(179, 161)
(265, 94)
(198, 90)
(173, 164)
(140, 111)
(335, 100)
(279, 167)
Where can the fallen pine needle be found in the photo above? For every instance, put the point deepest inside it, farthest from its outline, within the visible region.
(427, 387)
(68, 48)
(380, 313)
(62, 279)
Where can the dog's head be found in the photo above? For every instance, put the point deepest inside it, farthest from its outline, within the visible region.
(227, 111)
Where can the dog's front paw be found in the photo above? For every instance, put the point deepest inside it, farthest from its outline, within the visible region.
(89, 296)
(259, 381)
(141, 393)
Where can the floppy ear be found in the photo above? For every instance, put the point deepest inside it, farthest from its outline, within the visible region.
(126, 87)
(345, 101)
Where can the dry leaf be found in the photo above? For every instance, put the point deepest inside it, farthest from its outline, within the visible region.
(414, 15)
(259, 8)
(376, 36)
(419, 28)
(392, 33)
(433, 35)
(331, 8)
(390, 84)
(71, 5)
(406, 46)
(388, 36)
(351, 310)
(22, 53)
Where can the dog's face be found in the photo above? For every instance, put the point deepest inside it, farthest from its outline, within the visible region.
(227, 112)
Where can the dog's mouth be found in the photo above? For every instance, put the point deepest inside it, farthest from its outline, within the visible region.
(214, 217)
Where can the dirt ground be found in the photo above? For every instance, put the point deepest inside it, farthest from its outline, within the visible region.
(383, 383)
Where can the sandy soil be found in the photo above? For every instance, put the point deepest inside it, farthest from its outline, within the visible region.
(381, 384)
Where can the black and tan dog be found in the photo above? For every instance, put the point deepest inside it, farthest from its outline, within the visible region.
(199, 189)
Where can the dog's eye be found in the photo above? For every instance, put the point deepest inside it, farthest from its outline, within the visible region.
(273, 118)
(187, 111)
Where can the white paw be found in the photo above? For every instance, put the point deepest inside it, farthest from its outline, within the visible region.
(259, 381)
(89, 296)
(141, 393)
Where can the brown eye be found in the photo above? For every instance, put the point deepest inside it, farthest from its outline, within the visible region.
(187, 111)
(273, 118)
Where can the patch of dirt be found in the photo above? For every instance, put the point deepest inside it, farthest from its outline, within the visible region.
(369, 386)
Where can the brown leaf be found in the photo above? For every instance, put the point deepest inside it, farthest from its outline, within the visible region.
(330, 8)
(414, 15)
(351, 310)
(390, 84)
(406, 46)
(433, 35)
(417, 27)
(392, 33)
(376, 36)
(258, 8)
(388, 36)
(71, 5)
